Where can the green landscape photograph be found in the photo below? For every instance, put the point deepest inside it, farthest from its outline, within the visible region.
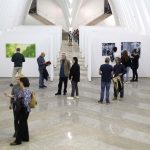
(28, 50)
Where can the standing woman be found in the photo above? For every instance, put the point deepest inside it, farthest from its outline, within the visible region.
(75, 78)
(22, 109)
(135, 64)
(126, 61)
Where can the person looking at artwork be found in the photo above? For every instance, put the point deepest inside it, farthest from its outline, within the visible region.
(106, 72)
(134, 65)
(119, 71)
(18, 59)
(75, 78)
(64, 74)
(113, 56)
(43, 74)
(126, 61)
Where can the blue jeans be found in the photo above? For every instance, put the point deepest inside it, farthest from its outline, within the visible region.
(126, 76)
(103, 86)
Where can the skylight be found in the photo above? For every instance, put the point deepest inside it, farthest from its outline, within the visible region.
(70, 20)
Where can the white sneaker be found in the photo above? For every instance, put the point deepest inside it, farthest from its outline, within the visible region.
(70, 98)
(77, 97)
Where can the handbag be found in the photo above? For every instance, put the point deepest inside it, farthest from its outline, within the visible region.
(33, 101)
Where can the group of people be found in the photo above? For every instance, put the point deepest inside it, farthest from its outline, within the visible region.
(21, 95)
(73, 36)
(66, 72)
(119, 73)
(76, 35)
(69, 72)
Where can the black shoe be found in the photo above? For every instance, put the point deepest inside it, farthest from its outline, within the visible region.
(25, 140)
(136, 80)
(132, 80)
(42, 87)
(100, 102)
(14, 143)
(64, 94)
(58, 94)
(11, 84)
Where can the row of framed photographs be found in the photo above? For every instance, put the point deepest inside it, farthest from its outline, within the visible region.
(129, 46)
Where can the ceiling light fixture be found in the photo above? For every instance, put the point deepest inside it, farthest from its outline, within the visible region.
(70, 20)
(70, 10)
(70, 1)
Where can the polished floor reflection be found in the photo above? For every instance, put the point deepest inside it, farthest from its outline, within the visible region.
(60, 124)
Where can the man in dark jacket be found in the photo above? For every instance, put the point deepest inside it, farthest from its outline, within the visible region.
(18, 59)
(63, 75)
(42, 69)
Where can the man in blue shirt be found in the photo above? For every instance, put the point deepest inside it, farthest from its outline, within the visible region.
(106, 72)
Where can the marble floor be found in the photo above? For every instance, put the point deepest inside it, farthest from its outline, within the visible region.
(61, 124)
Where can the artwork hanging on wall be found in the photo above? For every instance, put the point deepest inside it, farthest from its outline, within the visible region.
(107, 48)
(130, 46)
(28, 50)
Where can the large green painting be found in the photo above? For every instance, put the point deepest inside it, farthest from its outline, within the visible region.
(28, 50)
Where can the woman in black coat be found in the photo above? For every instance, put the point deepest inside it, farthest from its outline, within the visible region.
(75, 78)
(135, 64)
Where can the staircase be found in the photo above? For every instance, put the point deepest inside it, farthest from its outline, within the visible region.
(71, 51)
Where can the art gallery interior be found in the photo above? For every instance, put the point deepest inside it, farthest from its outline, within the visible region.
(58, 123)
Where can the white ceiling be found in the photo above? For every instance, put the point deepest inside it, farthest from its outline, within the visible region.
(82, 11)
(73, 5)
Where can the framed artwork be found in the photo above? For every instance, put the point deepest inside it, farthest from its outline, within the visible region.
(28, 50)
(107, 48)
(130, 46)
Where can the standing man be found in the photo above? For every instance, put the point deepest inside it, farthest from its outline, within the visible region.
(42, 68)
(64, 74)
(106, 72)
(18, 59)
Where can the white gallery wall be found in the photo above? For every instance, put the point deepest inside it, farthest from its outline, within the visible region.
(46, 38)
(91, 39)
